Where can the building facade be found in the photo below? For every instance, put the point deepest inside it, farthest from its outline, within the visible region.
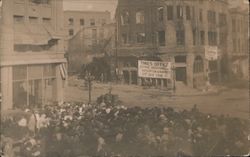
(88, 43)
(32, 59)
(74, 21)
(239, 39)
(90, 34)
(193, 35)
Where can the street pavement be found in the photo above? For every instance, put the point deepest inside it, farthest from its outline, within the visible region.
(229, 102)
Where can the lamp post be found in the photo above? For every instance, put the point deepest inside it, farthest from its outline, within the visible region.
(89, 78)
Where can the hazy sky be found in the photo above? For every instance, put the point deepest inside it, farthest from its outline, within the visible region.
(91, 5)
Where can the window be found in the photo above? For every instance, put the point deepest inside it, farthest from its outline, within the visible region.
(71, 21)
(198, 65)
(18, 19)
(234, 25)
(47, 21)
(211, 17)
(212, 38)
(180, 59)
(161, 38)
(140, 17)
(201, 15)
(223, 38)
(194, 37)
(180, 37)
(234, 45)
(71, 32)
(40, 1)
(82, 22)
(103, 22)
(140, 37)
(92, 22)
(160, 14)
(125, 18)
(202, 37)
(33, 20)
(222, 19)
(179, 12)
(33, 85)
(124, 38)
(188, 14)
(170, 12)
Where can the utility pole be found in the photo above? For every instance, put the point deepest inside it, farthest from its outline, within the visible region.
(89, 78)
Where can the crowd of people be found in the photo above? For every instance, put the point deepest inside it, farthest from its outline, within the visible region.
(105, 129)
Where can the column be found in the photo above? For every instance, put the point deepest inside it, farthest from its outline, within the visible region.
(58, 86)
(189, 69)
(162, 83)
(7, 88)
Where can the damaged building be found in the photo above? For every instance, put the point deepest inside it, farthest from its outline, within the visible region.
(192, 35)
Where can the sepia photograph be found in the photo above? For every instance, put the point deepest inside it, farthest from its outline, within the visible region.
(124, 78)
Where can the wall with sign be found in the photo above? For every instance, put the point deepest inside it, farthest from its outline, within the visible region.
(154, 69)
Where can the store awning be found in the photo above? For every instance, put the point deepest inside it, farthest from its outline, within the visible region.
(33, 34)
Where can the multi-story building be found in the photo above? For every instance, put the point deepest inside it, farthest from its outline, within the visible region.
(239, 39)
(90, 34)
(32, 53)
(90, 42)
(193, 35)
(74, 21)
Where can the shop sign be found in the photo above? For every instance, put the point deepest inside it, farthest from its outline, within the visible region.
(211, 52)
(154, 69)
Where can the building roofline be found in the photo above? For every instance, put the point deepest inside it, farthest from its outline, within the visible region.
(79, 11)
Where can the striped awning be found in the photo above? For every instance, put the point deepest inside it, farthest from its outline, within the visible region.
(63, 71)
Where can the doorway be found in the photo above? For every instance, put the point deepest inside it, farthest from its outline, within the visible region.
(181, 74)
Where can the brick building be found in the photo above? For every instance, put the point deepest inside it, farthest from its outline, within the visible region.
(90, 34)
(74, 21)
(32, 53)
(193, 35)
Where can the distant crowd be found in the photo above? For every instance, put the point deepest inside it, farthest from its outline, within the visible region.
(105, 129)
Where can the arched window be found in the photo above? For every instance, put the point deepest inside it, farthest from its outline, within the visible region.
(198, 65)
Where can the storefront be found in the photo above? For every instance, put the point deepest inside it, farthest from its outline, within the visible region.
(32, 85)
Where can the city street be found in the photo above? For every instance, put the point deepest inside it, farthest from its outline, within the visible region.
(232, 102)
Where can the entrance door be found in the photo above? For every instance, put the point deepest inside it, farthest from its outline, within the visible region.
(126, 77)
(134, 77)
(181, 74)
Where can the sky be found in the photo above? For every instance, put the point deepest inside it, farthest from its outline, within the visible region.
(91, 5)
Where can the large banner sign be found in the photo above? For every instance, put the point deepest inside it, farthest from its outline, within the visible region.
(211, 53)
(154, 69)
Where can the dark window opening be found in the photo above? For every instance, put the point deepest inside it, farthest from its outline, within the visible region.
(202, 37)
(180, 59)
(212, 38)
(71, 32)
(161, 38)
(82, 22)
(180, 37)
(188, 14)
(141, 37)
(170, 12)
